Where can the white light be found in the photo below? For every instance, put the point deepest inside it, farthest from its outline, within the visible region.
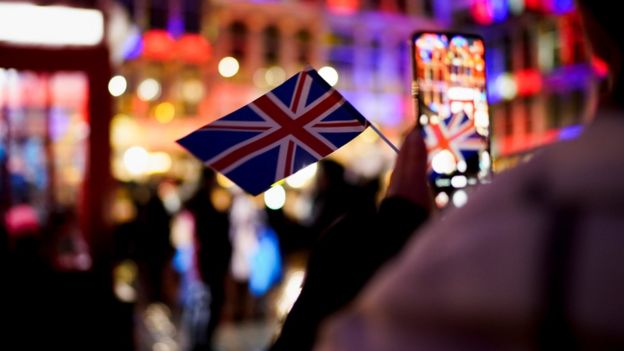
(482, 120)
(462, 166)
(457, 106)
(149, 90)
(485, 160)
(136, 160)
(117, 86)
(423, 120)
(459, 181)
(23, 23)
(434, 120)
(302, 177)
(275, 198)
(290, 292)
(228, 67)
(460, 198)
(506, 86)
(441, 199)
(329, 74)
(274, 76)
(461, 94)
(443, 162)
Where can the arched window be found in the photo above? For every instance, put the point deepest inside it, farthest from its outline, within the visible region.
(238, 37)
(271, 41)
(303, 39)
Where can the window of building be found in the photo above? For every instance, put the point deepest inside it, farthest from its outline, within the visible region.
(508, 53)
(341, 53)
(303, 39)
(577, 102)
(428, 8)
(527, 49)
(238, 35)
(158, 11)
(508, 117)
(528, 114)
(549, 50)
(404, 70)
(271, 40)
(553, 111)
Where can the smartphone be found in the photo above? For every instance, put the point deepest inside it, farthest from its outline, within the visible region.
(449, 85)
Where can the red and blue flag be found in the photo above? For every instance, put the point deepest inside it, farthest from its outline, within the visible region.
(283, 131)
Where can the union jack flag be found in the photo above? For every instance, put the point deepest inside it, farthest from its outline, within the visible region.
(457, 134)
(290, 127)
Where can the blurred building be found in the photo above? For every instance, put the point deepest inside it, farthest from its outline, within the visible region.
(243, 49)
(55, 176)
(540, 78)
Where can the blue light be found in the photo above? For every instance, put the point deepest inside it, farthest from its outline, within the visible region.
(500, 10)
(175, 26)
(571, 132)
(562, 6)
(266, 267)
(133, 46)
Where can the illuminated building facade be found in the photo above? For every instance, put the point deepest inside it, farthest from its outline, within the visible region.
(540, 77)
(250, 47)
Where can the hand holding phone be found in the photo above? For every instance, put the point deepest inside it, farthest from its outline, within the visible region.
(452, 110)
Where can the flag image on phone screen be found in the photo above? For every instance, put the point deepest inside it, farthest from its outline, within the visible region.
(449, 85)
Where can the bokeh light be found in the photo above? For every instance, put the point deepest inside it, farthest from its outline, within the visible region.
(228, 67)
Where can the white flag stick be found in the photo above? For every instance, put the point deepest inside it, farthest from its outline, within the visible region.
(383, 137)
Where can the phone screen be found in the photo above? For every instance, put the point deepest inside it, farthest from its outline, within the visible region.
(452, 111)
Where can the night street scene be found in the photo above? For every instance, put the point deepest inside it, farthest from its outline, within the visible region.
(291, 175)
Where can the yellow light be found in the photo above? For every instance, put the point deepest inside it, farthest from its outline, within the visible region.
(164, 112)
(136, 160)
(369, 136)
(443, 162)
(302, 177)
(441, 199)
(275, 198)
(221, 199)
(506, 86)
(159, 162)
(117, 85)
(329, 74)
(224, 181)
(259, 78)
(124, 131)
(228, 67)
(149, 90)
(274, 76)
(290, 291)
(193, 91)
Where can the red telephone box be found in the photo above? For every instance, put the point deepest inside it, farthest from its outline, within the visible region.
(55, 179)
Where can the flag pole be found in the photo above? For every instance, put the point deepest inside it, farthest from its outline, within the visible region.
(383, 137)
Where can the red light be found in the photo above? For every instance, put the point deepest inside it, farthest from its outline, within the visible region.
(533, 4)
(158, 45)
(599, 66)
(193, 48)
(528, 81)
(343, 7)
(482, 11)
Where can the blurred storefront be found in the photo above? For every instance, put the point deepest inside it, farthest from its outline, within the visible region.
(55, 176)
